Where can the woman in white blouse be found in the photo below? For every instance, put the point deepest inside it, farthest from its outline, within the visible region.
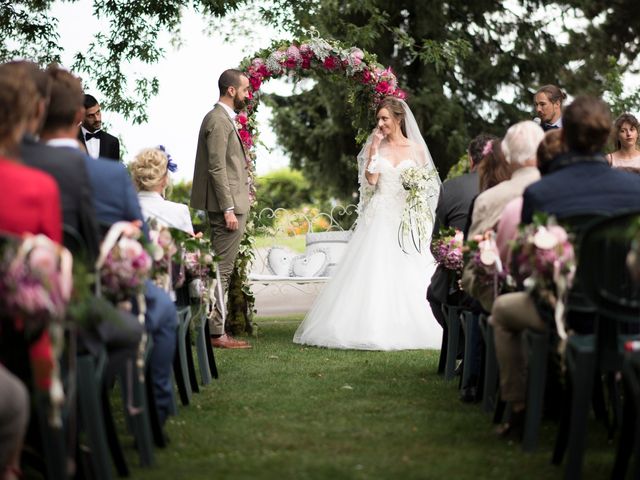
(150, 172)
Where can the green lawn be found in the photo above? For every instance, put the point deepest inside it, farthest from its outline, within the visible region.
(282, 411)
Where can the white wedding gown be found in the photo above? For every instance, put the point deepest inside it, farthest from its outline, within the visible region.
(376, 299)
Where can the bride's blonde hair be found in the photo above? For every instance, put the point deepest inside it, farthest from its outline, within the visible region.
(395, 108)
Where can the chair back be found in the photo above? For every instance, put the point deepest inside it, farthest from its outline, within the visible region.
(607, 283)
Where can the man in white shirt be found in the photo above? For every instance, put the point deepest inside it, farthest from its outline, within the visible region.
(97, 142)
(548, 104)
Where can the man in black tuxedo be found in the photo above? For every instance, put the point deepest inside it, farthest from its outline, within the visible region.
(453, 209)
(548, 104)
(96, 141)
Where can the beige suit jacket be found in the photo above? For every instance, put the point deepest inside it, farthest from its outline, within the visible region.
(487, 210)
(220, 176)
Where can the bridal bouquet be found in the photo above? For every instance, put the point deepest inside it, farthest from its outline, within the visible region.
(543, 262)
(447, 249)
(417, 217)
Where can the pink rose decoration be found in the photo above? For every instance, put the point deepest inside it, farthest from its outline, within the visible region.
(331, 63)
(245, 136)
(306, 63)
(242, 119)
(255, 82)
(367, 77)
(383, 87)
(401, 94)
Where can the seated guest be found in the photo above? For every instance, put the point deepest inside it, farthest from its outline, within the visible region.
(69, 171)
(551, 146)
(30, 204)
(14, 416)
(114, 199)
(519, 146)
(494, 168)
(454, 202)
(578, 182)
(627, 154)
(150, 173)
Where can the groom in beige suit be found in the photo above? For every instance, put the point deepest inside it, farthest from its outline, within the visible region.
(221, 186)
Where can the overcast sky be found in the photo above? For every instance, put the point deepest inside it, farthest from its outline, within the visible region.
(188, 87)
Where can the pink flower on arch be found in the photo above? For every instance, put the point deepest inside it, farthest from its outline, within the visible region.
(399, 93)
(256, 82)
(306, 63)
(367, 77)
(242, 118)
(331, 63)
(246, 138)
(384, 87)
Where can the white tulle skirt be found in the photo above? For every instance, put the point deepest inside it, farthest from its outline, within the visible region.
(377, 298)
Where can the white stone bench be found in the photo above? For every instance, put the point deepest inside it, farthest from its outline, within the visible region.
(278, 265)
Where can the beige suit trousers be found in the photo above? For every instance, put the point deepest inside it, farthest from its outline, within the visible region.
(513, 313)
(225, 244)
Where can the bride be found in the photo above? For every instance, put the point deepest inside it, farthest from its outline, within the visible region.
(377, 298)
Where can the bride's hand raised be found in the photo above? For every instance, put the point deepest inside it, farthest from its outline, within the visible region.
(376, 138)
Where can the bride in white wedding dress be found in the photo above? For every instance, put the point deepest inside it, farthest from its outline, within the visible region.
(376, 299)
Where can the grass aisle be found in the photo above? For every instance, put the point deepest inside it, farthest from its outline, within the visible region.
(282, 411)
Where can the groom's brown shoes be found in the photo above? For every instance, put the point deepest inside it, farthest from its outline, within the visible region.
(226, 341)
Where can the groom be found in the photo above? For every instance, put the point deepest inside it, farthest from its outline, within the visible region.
(221, 186)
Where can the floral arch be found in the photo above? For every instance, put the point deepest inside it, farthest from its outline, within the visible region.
(368, 82)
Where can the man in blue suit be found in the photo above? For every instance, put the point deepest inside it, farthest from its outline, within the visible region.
(114, 199)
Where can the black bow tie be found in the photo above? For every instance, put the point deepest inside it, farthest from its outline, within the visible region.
(548, 126)
(88, 136)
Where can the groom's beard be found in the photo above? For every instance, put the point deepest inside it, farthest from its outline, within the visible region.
(238, 104)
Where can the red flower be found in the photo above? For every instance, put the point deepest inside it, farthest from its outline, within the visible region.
(366, 76)
(250, 95)
(242, 118)
(245, 136)
(399, 93)
(306, 63)
(263, 71)
(331, 63)
(383, 87)
(255, 82)
(291, 63)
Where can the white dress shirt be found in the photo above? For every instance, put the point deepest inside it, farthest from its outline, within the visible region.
(170, 214)
(93, 144)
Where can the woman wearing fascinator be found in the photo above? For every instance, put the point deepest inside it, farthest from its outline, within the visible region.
(150, 172)
(376, 299)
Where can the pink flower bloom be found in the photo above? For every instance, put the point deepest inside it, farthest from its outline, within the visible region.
(306, 63)
(242, 118)
(250, 95)
(245, 136)
(383, 87)
(331, 63)
(367, 76)
(399, 93)
(305, 51)
(43, 260)
(256, 82)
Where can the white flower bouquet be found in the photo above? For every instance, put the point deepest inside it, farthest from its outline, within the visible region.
(417, 217)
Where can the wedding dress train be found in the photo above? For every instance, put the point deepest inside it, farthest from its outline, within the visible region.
(376, 299)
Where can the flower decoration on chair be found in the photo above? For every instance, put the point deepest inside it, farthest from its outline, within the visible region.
(165, 254)
(482, 253)
(123, 266)
(35, 288)
(543, 262)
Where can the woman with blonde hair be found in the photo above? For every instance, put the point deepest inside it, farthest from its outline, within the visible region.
(150, 173)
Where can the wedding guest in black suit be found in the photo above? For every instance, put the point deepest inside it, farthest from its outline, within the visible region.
(548, 103)
(97, 142)
(453, 208)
